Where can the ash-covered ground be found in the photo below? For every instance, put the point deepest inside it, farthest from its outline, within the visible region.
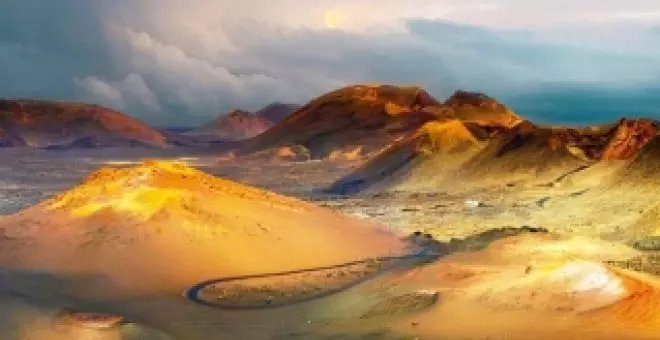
(28, 176)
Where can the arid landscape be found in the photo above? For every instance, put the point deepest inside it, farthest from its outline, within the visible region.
(371, 212)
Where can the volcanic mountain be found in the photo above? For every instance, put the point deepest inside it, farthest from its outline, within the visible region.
(163, 226)
(235, 125)
(60, 124)
(478, 108)
(437, 148)
(629, 137)
(277, 112)
(645, 165)
(364, 116)
(517, 151)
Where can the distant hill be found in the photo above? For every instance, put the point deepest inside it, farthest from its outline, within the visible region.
(438, 147)
(49, 124)
(366, 116)
(520, 152)
(232, 126)
(277, 112)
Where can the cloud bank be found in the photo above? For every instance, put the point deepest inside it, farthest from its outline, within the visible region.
(175, 63)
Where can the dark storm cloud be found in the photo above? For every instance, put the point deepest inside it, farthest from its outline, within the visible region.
(164, 63)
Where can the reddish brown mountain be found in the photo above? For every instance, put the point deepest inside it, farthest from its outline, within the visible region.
(629, 137)
(364, 116)
(235, 125)
(277, 112)
(60, 124)
(620, 141)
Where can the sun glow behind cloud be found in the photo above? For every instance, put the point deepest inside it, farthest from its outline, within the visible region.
(331, 19)
(171, 62)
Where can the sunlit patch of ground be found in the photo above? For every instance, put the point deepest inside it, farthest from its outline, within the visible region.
(565, 278)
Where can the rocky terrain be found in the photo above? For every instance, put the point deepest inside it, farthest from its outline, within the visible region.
(372, 212)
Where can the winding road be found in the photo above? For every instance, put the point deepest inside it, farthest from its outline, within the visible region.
(418, 257)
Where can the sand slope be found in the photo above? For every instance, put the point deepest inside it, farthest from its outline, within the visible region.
(509, 289)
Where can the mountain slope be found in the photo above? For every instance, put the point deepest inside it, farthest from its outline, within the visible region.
(235, 125)
(364, 116)
(481, 109)
(421, 161)
(277, 112)
(629, 137)
(163, 226)
(526, 152)
(60, 124)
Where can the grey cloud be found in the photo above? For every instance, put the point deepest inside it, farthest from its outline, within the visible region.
(128, 93)
(150, 62)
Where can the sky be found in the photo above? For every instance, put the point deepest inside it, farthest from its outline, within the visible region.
(183, 63)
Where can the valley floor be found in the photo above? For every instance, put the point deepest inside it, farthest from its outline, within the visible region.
(589, 211)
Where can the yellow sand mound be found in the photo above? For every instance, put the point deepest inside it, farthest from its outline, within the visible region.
(163, 225)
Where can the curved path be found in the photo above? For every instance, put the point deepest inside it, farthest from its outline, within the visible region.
(424, 255)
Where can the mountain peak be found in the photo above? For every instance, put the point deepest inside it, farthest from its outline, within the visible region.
(367, 116)
(478, 107)
(235, 125)
(145, 190)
